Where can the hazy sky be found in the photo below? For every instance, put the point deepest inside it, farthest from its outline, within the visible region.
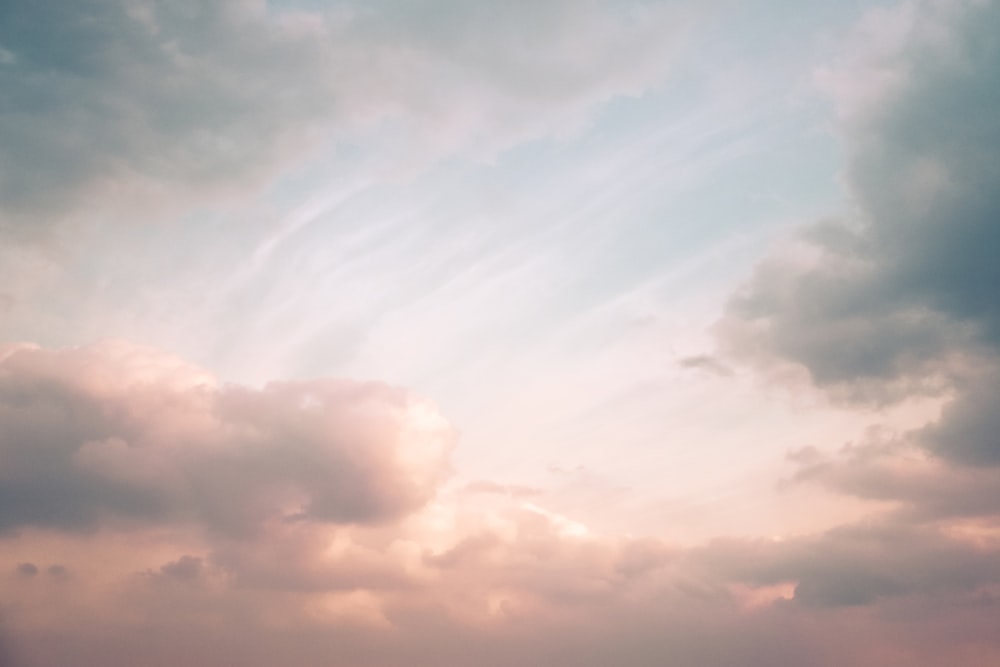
(610, 333)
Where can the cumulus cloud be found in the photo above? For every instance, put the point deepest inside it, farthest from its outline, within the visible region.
(891, 305)
(899, 299)
(108, 101)
(969, 429)
(116, 431)
(895, 305)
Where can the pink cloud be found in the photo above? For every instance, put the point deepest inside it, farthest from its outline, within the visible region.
(115, 431)
(154, 514)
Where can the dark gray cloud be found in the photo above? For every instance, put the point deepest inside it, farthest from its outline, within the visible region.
(119, 431)
(895, 303)
(27, 570)
(110, 101)
(939, 497)
(888, 301)
(858, 564)
(99, 94)
(901, 301)
(916, 486)
(969, 429)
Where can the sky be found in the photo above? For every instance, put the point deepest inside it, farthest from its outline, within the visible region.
(436, 332)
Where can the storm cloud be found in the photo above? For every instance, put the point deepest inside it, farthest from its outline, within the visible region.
(900, 301)
(894, 305)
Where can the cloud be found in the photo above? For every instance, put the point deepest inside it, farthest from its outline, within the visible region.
(114, 431)
(454, 581)
(307, 522)
(185, 568)
(860, 564)
(897, 300)
(707, 363)
(893, 305)
(907, 481)
(109, 103)
(969, 429)
(27, 570)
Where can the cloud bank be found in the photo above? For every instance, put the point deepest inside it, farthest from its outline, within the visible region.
(311, 522)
